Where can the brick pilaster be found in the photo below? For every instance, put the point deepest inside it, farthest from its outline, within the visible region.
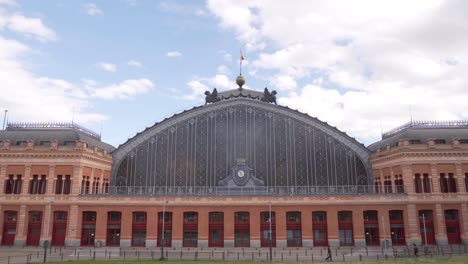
(26, 179)
(441, 233)
(460, 178)
(51, 180)
(47, 223)
(407, 174)
(3, 178)
(413, 233)
(73, 227)
(76, 180)
(435, 179)
(20, 237)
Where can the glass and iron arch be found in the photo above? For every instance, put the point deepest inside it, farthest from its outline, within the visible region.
(240, 142)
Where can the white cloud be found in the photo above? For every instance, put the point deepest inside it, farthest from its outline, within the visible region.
(105, 66)
(122, 90)
(30, 27)
(132, 2)
(199, 85)
(24, 93)
(134, 63)
(367, 61)
(8, 2)
(173, 54)
(223, 69)
(92, 9)
(226, 55)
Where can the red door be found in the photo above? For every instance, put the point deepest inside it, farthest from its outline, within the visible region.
(372, 235)
(59, 228)
(34, 228)
(9, 228)
(88, 228)
(165, 225)
(241, 229)
(453, 226)
(216, 229)
(190, 229)
(87, 236)
(293, 229)
(267, 223)
(426, 226)
(113, 237)
(113, 228)
(319, 226)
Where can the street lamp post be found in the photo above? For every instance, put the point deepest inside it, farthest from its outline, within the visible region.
(384, 232)
(162, 230)
(49, 216)
(271, 234)
(424, 229)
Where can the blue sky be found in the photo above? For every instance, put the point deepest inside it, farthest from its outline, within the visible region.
(123, 65)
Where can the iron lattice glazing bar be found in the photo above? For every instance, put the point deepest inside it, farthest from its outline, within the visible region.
(281, 151)
(241, 191)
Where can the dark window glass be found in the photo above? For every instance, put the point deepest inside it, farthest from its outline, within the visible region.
(345, 216)
(241, 217)
(293, 217)
(113, 216)
(370, 216)
(396, 215)
(319, 216)
(67, 185)
(190, 217)
(216, 217)
(139, 217)
(89, 216)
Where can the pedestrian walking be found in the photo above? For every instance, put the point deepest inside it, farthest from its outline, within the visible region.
(329, 254)
(415, 250)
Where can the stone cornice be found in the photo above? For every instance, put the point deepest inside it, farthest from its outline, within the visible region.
(418, 153)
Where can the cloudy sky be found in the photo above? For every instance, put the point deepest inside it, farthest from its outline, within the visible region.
(119, 66)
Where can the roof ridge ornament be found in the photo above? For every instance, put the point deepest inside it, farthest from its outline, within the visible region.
(269, 97)
(212, 97)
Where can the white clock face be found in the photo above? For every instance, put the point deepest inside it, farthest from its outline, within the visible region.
(241, 173)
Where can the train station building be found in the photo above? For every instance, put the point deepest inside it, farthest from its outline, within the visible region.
(239, 171)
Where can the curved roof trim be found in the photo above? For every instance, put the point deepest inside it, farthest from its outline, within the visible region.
(140, 137)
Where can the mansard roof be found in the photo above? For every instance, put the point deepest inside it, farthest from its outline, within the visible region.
(419, 132)
(65, 133)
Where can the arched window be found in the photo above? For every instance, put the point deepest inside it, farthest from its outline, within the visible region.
(59, 185)
(43, 184)
(67, 185)
(34, 184)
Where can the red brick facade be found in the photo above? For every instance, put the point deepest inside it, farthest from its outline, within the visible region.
(439, 170)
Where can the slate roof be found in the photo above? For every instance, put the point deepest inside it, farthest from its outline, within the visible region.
(64, 135)
(422, 131)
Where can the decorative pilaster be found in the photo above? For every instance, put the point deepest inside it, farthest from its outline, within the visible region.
(46, 224)
(51, 180)
(26, 179)
(76, 180)
(460, 178)
(358, 228)
(73, 227)
(464, 223)
(441, 232)
(408, 181)
(20, 238)
(413, 233)
(3, 177)
(435, 179)
(1, 221)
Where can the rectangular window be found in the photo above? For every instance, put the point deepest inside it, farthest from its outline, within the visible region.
(426, 183)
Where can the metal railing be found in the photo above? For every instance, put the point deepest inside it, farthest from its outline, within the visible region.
(243, 191)
(425, 124)
(290, 254)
